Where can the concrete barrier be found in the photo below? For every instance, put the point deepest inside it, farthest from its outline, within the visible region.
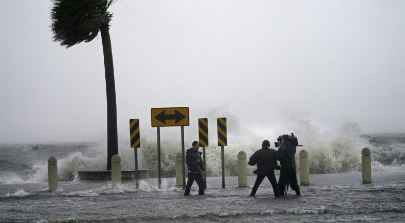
(179, 170)
(242, 169)
(52, 174)
(366, 165)
(304, 168)
(115, 169)
(106, 174)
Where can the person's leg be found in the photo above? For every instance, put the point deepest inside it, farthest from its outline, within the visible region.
(273, 181)
(201, 185)
(190, 181)
(259, 180)
(282, 182)
(294, 182)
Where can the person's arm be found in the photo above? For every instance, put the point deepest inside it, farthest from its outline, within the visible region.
(253, 159)
(276, 166)
(278, 154)
(201, 163)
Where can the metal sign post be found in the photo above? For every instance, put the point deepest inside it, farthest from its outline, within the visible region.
(136, 168)
(222, 141)
(135, 142)
(165, 117)
(183, 167)
(158, 153)
(203, 141)
(136, 159)
(223, 166)
(205, 169)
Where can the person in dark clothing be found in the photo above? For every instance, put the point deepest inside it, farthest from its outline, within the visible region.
(286, 155)
(195, 169)
(266, 160)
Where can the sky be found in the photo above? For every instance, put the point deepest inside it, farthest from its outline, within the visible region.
(268, 66)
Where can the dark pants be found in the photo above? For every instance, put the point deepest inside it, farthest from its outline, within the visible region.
(272, 179)
(288, 176)
(198, 177)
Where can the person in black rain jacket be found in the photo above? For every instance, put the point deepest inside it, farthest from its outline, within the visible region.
(286, 155)
(266, 160)
(195, 169)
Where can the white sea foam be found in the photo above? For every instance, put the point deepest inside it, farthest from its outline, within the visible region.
(297, 211)
(18, 193)
(109, 188)
(40, 221)
(11, 178)
(378, 167)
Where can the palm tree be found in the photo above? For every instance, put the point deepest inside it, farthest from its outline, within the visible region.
(75, 21)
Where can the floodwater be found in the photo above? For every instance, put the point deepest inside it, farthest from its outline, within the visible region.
(329, 198)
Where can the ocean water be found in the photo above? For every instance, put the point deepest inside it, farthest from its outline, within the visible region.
(336, 193)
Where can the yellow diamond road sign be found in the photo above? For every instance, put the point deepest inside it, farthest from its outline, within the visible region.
(175, 116)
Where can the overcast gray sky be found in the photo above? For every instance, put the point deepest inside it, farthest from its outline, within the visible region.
(264, 64)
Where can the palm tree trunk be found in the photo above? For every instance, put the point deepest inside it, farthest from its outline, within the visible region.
(112, 136)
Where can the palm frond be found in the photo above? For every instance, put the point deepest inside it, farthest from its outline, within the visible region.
(76, 21)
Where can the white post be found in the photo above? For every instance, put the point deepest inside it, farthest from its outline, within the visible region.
(179, 170)
(52, 174)
(366, 165)
(115, 169)
(242, 169)
(304, 168)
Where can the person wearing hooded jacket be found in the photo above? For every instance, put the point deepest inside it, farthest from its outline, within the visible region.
(195, 169)
(266, 161)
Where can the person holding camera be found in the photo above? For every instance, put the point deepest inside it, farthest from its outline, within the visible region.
(266, 161)
(286, 155)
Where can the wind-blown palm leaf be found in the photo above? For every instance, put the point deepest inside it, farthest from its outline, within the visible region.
(75, 21)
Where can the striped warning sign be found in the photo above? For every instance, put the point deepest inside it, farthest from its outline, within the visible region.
(222, 136)
(203, 132)
(134, 131)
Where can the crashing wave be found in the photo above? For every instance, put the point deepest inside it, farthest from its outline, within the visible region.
(329, 152)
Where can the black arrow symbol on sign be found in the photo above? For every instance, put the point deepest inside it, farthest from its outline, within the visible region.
(163, 117)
